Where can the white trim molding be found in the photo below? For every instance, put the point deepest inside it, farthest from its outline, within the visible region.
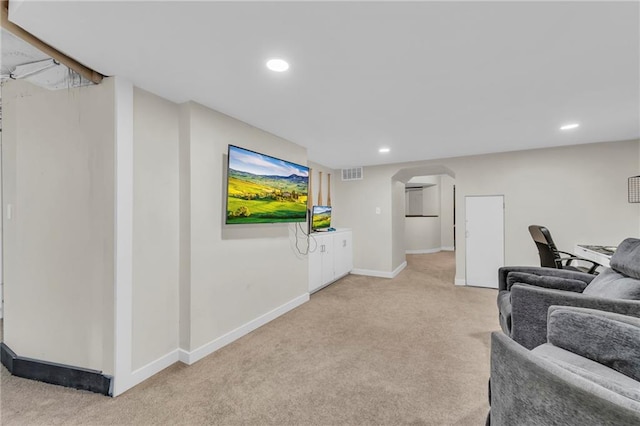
(123, 288)
(381, 274)
(427, 251)
(460, 281)
(143, 373)
(208, 348)
(371, 273)
(154, 367)
(424, 251)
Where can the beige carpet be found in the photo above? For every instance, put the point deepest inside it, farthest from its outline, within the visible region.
(363, 351)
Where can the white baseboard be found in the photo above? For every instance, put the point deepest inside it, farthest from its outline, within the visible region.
(424, 251)
(381, 274)
(427, 251)
(315, 290)
(183, 356)
(154, 367)
(460, 281)
(399, 269)
(208, 348)
(371, 273)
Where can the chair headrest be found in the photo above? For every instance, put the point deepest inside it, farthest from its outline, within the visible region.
(626, 259)
(541, 234)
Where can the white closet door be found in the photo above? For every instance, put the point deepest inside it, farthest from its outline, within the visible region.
(484, 218)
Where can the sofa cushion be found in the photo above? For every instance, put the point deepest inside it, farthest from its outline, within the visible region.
(545, 281)
(613, 285)
(610, 339)
(626, 259)
(590, 370)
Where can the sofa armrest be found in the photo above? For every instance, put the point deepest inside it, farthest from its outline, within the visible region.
(529, 390)
(529, 307)
(572, 257)
(537, 270)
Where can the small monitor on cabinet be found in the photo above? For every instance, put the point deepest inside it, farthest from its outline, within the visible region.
(321, 218)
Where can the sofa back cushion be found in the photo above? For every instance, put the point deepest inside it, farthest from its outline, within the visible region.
(610, 339)
(626, 259)
(610, 284)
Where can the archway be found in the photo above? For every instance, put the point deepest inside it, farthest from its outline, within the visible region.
(424, 210)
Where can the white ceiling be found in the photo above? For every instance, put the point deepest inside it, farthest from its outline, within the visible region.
(426, 79)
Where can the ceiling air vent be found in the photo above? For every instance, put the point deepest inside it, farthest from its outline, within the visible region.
(354, 173)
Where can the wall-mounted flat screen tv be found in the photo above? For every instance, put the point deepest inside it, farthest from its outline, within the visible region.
(264, 189)
(321, 218)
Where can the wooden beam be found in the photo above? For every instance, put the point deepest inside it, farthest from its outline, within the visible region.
(86, 72)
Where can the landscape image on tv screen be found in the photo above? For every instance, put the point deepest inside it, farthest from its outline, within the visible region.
(264, 189)
(321, 217)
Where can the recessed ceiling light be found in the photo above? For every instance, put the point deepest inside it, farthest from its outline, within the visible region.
(277, 65)
(570, 126)
(384, 150)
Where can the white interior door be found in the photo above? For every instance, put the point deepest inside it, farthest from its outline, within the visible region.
(484, 218)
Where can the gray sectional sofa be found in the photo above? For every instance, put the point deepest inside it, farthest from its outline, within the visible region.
(570, 351)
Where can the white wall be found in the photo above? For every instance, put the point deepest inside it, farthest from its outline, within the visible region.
(238, 273)
(58, 154)
(398, 226)
(184, 290)
(365, 207)
(573, 190)
(414, 203)
(446, 212)
(431, 199)
(195, 285)
(155, 228)
(578, 192)
(315, 183)
(422, 234)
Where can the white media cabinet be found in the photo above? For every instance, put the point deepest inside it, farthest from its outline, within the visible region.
(332, 258)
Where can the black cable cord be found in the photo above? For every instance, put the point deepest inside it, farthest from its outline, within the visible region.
(309, 238)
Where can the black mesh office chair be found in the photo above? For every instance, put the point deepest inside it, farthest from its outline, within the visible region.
(550, 256)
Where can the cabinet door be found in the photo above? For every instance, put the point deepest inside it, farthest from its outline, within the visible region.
(326, 248)
(315, 267)
(342, 253)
